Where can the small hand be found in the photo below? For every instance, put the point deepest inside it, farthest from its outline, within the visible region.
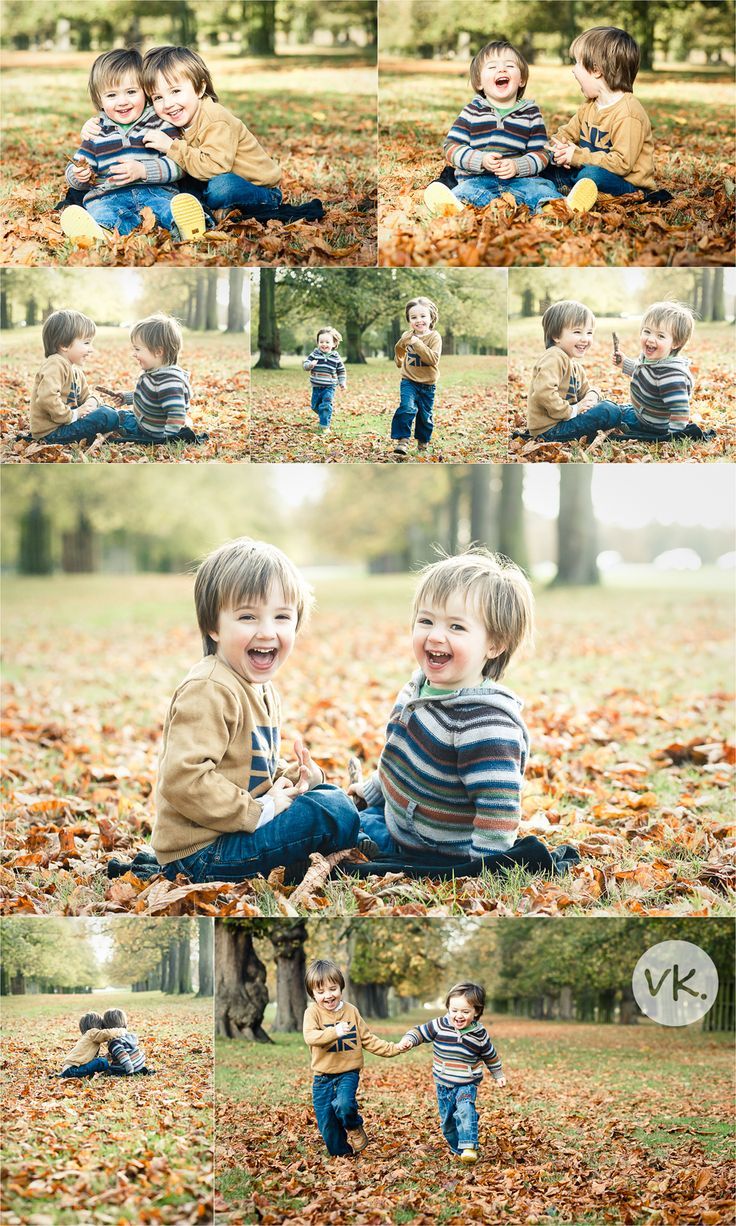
(126, 171)
(91, 129)
(83, 172)
(405, 1045)
(491, 162)
(506, 168)
(310, 774)
(500, 1082)
(562, 152)
(158, 141)
(618, 358)
(341, 1029)
(282, 794)
(587, 402)
(117, 398)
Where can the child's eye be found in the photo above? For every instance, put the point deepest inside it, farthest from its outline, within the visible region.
(456, 626)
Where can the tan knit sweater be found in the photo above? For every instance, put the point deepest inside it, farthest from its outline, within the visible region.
(88, 1045)
(60, 390)
(554, 378)
(417, 359)
(339, 1054)
(616, 137)
(217, 143)
(220, 751)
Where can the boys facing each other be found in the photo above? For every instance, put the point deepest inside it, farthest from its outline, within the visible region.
(62, 408)
(326, 372)
(461, 1049)
(162, 393)
(450, 773)
(227, 808)
(561, 404)
(661, 382)
(417, 354)
(337, 1036)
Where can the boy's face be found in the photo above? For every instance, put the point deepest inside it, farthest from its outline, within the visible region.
(656, 342)
(125, 101)
(147, 359)
(589, 82)
(500, 78)
(328, 995)
(255, 640)
(79, 350)
(326, 342)
(575, 341)
(461, 1012)
(451, 644)
(420, 319)
(176, 100)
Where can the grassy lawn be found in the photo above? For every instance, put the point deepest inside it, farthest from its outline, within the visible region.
(597, 1124)
(469, 414)
(107, 1149)
(218, 368)
(419, 101)
(315, 115)
(604, 704)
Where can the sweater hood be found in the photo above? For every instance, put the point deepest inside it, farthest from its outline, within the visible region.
(129, 1040)
(666, 366)
(161, 373)
(496, 697)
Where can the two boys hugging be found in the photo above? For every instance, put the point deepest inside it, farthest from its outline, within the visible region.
(126, 1058)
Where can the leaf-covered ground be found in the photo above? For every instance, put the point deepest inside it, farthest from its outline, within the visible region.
(316, 116)
(628, 700)
(469, 414)
(691, 118)
(597, 1124)
(107, 1149)
(218, 369)
(713, 404)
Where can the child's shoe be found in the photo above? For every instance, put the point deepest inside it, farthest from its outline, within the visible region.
(422, 446)
(357, 1139)
(469, 1155)
(368, 847)
(440, 201)
(582, 196)
(323, 429)
(401, 447)
(76, 222)
(189, 217)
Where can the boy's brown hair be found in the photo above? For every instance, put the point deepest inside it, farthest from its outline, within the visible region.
(62, 328)
(473, 993)
(565, 314)
(322, 970)
(110, 68)
(427, 302)
(160, 334)
(91, 1021)
(115, 1019)
(172, 62)
(675, 317)
(495, 48)
(611, 52)
(336, 336)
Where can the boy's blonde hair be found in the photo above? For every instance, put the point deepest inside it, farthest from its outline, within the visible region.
(611, 52)
(172, 62)
(336, 336)
(240, 572)
(322, 970)
(566, 314)
(473, 993)
(62, 328)
(500, 593)
(426, 302)
(495, 48)
(110, 68)
(115, 1019)
(675, 317)
(90, 1021)
(161, 334)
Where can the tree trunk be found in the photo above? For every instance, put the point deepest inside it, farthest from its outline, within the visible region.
(371, 999)
(565, 1000)
(288, 938)
(480, 504)
(354, 343)
(576, 528)
(172, 985)
(241, 994)
(200, 314)
(6, 310)
(34, 554)
(235, 313)
(18, 984)
(185, 965)
(206, 970)
(269, 344)
(210, 322)
(706, 295)
(511, 536)
(79, 548)
(31, 312)
(718, 313)
(457, 485)
(629, 1014)
(262, 32)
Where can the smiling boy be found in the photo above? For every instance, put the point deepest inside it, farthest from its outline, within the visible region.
(62, 408)
(661, 382)
(561, 404)
(326, 374)
(417, 354)
(161, 397)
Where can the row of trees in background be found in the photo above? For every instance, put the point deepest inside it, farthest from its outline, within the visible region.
(159, 956)
(531, 291)
(204, 300)
(45, 956)
(367, 306)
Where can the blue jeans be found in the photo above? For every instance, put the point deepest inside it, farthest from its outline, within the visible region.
(98, 1065)
(632, 427)
(131, 430)
(603, 416)
(373, 824)
(336, 1108)
(416, 401)
(605, 180)
(482, 189)
(98, 421)
(121, 210)
(458, 1116)
(324, 819)
(229, 191)
(323, 403)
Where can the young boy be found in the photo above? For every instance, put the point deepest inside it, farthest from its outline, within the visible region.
(661, 382)
(84, 1059)
(417, 354)
(226, 808)
(607, 145)
(119, 175)
(449, 777)
(461, 1048)
(326, 372)
(337, 1035)
(161, 397)
(126, 1056)
(62, 408)
(561, 404)
(497, 144)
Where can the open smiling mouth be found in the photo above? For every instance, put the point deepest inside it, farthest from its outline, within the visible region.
(262, 657)
(438, 658)
(502, 82)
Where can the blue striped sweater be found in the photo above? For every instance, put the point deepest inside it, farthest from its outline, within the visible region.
(126, 1053)
(116, 144)
(329, 371)
(451, 770)
(458, 1056)
(161, 401)
(660, 392)
(479, 129)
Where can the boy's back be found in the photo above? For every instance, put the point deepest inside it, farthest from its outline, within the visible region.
(87, 1045)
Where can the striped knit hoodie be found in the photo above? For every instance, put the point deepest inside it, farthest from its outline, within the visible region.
(451, 770)
(161, 401)
(117, 144)
(479, 129)
(126, 1053)
(329, 371)
(458, 1056)
(660, 392)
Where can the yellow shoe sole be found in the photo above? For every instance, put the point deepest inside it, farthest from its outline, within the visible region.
(440, 201)
(468, 1156)
(76, 222)
(189, 217)
(582, 197)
